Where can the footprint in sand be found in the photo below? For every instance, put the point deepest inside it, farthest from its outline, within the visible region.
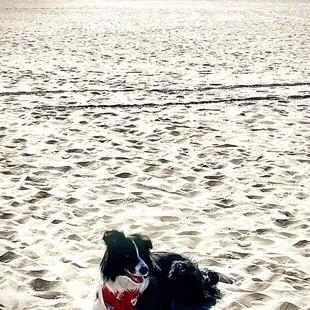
(254, 269)
(52, 295)
(40, 284)
(169, 218)
(255, 298)
(6, 216)
(42, 194)
(216, 177)
(284, 223)
(288, 306)
(302, 244)
(124, 175)
(8, 257)
(189, 233)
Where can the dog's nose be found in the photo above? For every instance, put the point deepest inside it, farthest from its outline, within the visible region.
(144, 270)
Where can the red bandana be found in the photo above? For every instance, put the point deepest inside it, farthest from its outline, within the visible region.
(120, 301)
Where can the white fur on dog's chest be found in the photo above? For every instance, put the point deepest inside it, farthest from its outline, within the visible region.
(121, 284)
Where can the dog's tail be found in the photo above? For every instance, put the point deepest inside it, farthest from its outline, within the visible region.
(225, 279)
(214, 277)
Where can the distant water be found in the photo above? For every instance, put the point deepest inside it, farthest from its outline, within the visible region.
(84, 53)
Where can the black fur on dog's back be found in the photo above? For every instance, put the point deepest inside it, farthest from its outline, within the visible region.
(175, 279)
(158, 295)
(192, 287)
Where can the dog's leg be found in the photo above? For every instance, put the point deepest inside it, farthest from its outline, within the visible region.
(98, 299)
(98, 305)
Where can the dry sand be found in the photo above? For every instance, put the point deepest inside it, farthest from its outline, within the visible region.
(224, 179)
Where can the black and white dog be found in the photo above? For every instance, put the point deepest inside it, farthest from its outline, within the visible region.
(133, 277)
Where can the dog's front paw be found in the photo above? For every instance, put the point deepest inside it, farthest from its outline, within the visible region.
(97, 305)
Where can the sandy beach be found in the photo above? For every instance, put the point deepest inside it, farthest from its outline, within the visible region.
(187, 121)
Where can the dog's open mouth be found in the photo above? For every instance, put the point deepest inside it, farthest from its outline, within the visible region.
(135, 278)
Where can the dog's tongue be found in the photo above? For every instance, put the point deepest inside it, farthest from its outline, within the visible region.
(137, 279)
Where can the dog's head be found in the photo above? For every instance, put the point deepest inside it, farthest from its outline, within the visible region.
(126, 256)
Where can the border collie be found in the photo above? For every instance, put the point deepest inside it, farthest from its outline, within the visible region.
(133, 277)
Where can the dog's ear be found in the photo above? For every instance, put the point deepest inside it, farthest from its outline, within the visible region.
(111, 237)
(142, 241)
